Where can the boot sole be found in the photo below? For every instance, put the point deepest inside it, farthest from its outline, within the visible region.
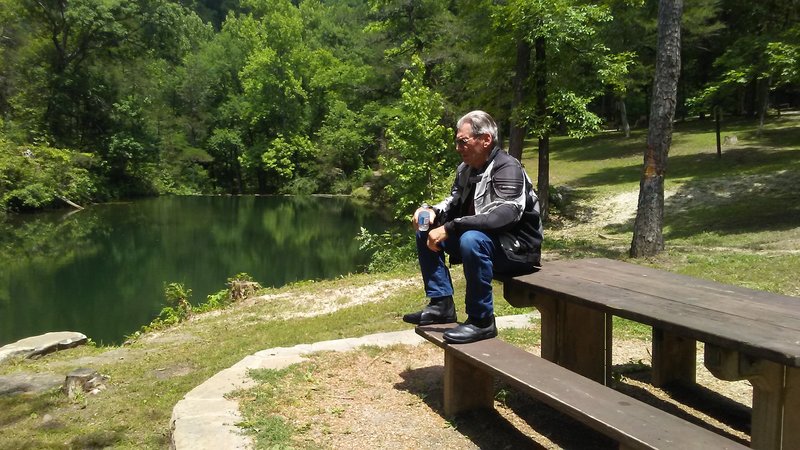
(481, 337)
(435, 322)
(431, 322)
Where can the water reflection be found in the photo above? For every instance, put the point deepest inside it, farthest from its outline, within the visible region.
(102, 271)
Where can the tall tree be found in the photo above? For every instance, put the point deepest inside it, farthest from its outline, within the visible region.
(648, 237)
(760, 41)
(418, 156)
(569, 67)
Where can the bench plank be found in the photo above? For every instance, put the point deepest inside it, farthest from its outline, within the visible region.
(632, 423)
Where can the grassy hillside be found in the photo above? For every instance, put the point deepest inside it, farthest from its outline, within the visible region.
(734, 219)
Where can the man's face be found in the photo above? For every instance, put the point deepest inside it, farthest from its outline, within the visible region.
(474, 150)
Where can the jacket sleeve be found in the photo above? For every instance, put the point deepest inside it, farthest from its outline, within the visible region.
(444, 206)
(504, 204)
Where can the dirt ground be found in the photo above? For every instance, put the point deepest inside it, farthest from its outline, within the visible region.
(392, 399)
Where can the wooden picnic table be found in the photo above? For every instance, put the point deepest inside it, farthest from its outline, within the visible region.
(747, 334)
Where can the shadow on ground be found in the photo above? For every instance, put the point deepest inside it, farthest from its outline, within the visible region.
(693, 399)
(546, 428)
(491, 429)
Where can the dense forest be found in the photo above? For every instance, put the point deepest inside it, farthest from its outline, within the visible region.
(104, 99)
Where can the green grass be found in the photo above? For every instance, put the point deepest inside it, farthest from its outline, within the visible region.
(734, 220)
(610, 163)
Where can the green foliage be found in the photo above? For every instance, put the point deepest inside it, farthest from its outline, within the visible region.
(343, 138)
(179, 307)
(412, 26)
(227, 148)
(763, 44)
(390, 251)
(34, 177)
(569, 110)
(577, 65)
(784, 59)
(419, 160)
(299, 96)
(287, 157)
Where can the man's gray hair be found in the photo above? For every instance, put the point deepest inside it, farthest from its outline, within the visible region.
(482, 123)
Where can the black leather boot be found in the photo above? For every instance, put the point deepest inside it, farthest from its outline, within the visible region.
(439, 310)
(471, 331)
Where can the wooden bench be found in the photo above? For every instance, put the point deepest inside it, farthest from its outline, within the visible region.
(470, 370)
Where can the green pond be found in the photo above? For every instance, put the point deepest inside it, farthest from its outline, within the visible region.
(102, 271)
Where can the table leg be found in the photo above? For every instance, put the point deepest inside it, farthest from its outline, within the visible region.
(674, 358)
(791, 409)
(583, 342)
(776, 399)
(767, 421)
(573, 336)
(465, 386)
(548, 310)
(776, 396)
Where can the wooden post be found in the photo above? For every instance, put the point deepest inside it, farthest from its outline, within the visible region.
(584, 341)
(548, 310)
(674, 358)
(767, 416)
(465, 387)
(776, 396)
(791, 408)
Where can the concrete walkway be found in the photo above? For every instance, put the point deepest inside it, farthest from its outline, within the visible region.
(205, 419)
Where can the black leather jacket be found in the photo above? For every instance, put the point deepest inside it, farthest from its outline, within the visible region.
(505, 206)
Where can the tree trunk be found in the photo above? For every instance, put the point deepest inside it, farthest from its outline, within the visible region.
(543, 181)
(516, 135)
(763, 101)
(623, 116)
(648, 238)
(718, 129)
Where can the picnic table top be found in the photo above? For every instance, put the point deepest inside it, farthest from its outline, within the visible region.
(757, 323)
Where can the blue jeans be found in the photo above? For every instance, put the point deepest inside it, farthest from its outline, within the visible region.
(480, 254)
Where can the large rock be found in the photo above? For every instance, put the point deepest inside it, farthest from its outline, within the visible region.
(43, 344)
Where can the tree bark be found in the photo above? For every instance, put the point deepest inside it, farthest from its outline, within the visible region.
(543, 181)
(623, 117)
(762, 96)
(517, 131)
(648, 237)
(718, 129)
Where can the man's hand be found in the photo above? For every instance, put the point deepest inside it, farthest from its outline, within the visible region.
(415, 217)
(435, 238)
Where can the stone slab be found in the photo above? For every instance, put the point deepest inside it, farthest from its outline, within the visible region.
(42, 344)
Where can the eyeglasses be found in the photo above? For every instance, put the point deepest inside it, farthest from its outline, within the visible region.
(464, 141)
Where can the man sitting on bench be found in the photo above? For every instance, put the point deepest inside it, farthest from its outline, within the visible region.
(489, 223)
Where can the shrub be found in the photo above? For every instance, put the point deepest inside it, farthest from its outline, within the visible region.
(389, 250)
(35, 177)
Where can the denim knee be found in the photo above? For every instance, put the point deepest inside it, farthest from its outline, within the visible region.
(475, 243)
